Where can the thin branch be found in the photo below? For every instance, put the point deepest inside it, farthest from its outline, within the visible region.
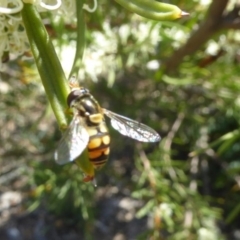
(232, 19)
(194, 169)
(168, 142)
(232, 25)
(172, 133)
(210, 26)
(166, 157)
(147, 168)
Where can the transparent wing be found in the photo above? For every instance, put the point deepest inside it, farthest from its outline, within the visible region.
(73, 142)
(132, 128)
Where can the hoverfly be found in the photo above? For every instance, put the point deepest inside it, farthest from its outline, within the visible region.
(88, 129)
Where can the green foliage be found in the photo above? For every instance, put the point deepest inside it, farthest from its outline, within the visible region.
(188, 183)
(62, 190)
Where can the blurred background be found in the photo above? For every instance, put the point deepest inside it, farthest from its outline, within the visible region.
(182, 79)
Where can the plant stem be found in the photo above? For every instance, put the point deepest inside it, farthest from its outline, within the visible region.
(80, 38)
(49, 67)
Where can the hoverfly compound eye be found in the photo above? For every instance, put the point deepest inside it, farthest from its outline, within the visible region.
(76, 94)
(72, 96)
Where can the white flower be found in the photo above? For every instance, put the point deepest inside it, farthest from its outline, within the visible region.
(12, 34)
(13, 38)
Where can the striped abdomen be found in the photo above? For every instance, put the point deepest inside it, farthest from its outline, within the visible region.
(98, 146)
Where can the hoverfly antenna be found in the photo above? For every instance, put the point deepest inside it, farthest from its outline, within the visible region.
(73, 82)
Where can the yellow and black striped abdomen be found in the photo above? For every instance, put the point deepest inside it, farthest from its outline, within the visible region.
(98, 146)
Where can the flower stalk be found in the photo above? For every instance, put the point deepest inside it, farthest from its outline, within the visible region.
(49, 67)
(51, 73)
(80, 38)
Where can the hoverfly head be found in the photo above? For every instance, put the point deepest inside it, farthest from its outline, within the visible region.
(75, 95)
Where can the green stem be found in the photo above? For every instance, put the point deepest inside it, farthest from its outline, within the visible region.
(49, 67)
(80, 38)
(226, 137)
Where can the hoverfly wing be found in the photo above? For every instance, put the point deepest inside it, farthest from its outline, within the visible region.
(73, 142)
(132, 128)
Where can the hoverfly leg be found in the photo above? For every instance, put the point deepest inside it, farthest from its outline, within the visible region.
(88, 178)
(94, 182)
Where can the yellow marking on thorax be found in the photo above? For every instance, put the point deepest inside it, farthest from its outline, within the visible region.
(96, 118)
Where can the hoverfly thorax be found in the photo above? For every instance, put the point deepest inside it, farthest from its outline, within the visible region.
(82, 100)
(86, 106)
